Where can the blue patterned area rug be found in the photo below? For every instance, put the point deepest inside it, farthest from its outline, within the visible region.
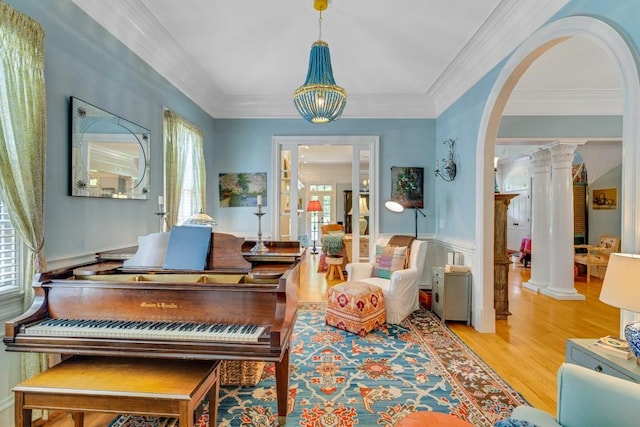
(340, 379)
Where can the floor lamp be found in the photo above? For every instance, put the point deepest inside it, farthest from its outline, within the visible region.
(314, 207)
(394, 206)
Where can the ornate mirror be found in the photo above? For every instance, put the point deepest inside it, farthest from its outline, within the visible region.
(109, 155)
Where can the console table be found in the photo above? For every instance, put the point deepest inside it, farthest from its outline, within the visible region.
(581, 351)
(162, 387)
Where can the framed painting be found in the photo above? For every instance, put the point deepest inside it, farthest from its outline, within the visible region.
(605, 198)
(407, 186)
(243, 189)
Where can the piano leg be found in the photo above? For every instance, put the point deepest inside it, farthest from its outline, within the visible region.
(282, 387)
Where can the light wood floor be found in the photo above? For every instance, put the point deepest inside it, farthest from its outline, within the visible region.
(526, 349)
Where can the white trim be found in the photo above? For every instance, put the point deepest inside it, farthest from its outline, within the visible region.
(508, 25)
(623, 57)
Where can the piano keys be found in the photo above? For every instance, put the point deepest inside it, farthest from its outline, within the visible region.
(238, 311)
(180, 331)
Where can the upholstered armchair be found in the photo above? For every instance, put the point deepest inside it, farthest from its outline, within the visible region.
(400, 289)
(597, 256)
(588, 398)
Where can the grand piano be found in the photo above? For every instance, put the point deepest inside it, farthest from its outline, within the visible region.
(242, 306)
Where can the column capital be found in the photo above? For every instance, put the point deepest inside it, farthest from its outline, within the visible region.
(562, 154)
(541, 160)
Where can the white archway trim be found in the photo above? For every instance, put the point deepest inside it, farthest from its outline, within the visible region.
(624, 58)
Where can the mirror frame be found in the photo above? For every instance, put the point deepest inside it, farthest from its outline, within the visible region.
(119, 149)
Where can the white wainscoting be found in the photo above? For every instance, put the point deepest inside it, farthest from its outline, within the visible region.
(9, 377)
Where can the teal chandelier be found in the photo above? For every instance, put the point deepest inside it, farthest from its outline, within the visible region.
(319, 99)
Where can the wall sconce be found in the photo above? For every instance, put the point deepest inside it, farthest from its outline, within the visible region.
(448, 172)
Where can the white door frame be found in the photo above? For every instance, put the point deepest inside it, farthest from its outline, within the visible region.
(358, 142)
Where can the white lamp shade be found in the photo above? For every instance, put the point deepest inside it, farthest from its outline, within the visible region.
(393, 206)
(621, 284)
(362, 205)
(200, 219)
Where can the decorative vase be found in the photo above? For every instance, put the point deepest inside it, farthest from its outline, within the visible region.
(632, 335)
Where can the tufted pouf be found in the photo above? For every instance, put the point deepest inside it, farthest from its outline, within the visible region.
(355, 307)
(431, 419)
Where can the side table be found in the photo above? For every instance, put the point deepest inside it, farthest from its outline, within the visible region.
(451, 294)
(162, 387)
(581, 351)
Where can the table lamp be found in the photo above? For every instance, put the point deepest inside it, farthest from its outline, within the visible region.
(621, 288)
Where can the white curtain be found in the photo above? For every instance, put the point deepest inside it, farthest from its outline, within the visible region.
(183, 145)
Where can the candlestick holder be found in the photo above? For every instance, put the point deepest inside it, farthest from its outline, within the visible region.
(163, 220)
(259, 246)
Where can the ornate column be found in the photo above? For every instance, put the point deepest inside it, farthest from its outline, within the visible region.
(540, 220)
(500, 259)
(561, 285)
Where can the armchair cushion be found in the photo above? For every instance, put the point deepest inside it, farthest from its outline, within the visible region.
(388, 260)
(588, 398)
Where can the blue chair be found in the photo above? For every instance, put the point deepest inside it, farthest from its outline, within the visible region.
(588, 398)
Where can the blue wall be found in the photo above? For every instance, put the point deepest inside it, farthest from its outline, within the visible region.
(560, 127)
(84, 60)
(245, 146)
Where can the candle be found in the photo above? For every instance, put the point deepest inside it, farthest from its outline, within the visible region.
(160, 201)
(259, 200)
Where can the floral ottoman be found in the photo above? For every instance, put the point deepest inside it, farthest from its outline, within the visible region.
(355, 307)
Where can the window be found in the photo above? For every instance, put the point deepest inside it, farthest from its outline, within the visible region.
(185, 173)
(190, 203)
(9, 253)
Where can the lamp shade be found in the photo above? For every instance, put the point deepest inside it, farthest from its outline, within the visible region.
(393, 206)
(621, 284)
(314, 206)
(362, 206)
(319, 99)
(200, 218)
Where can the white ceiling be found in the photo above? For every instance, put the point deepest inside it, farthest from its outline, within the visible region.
(395, 59)
(403, 58)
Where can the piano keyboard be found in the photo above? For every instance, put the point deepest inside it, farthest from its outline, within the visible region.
(184, 331)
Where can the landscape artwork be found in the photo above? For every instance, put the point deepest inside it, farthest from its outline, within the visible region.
(243, 189)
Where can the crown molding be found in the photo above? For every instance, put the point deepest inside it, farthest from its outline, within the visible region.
(358, 107)
(565, 102)
(510, 23)
(138, 29)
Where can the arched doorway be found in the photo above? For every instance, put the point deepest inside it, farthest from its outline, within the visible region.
(545, 38)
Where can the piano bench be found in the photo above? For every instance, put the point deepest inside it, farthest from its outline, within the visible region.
(121, 385)
(241, 372)
(355, 307)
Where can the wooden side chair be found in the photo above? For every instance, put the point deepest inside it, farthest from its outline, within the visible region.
(597, 256)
